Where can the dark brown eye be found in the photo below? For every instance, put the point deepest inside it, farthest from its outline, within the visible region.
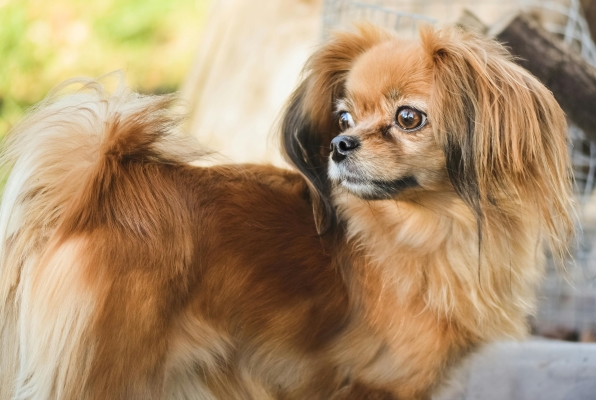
(410, 119)
(345, 121)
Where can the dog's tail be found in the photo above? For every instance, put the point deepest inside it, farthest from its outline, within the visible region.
(68, 166)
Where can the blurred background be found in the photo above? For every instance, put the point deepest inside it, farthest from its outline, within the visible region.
(45, 42)
(237, 61)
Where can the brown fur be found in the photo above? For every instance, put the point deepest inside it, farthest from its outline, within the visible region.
(129, 274)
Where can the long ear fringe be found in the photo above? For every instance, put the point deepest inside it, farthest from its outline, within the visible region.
(308, 124)
(302, 147)
(512, 154)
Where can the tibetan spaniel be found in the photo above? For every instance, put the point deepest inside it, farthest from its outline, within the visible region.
(430, 177)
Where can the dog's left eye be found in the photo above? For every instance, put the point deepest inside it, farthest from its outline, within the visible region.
(345, 120)
(410, 119)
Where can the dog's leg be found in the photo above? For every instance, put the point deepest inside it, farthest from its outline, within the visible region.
(95, 327)
(134, 326)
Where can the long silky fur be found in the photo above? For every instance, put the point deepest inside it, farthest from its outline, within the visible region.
(512, 148)
(59, 157)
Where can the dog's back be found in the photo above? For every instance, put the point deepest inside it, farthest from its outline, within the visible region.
(128, 274)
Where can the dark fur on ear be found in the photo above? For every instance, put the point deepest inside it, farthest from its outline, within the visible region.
(309, 124)
(503, 133)
(306, 151)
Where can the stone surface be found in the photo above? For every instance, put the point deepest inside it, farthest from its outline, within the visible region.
(533, 370)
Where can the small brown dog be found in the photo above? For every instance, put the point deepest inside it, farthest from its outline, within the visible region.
(435, 171)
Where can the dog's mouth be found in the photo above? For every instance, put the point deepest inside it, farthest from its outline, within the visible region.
(369, 188)
(377, 189)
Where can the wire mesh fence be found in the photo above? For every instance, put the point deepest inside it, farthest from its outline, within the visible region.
(567, 299)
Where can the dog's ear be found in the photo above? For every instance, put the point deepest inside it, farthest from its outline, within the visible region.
(309, 124)
(503, 133)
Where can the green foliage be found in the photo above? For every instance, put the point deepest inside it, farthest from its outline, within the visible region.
(43, 42)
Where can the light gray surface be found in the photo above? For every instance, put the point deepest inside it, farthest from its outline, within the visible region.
(533, 370)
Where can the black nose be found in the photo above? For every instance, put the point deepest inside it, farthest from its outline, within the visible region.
(343, 145)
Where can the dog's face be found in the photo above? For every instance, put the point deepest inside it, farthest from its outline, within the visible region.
(385, 147)
(448, 113)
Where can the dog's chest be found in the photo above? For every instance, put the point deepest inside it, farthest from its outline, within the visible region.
(414, 342)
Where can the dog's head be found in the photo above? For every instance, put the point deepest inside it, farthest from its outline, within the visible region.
(385, 118)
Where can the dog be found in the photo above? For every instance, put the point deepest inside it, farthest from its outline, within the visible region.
(430, 177)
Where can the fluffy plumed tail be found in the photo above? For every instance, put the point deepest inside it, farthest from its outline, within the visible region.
(77, 164)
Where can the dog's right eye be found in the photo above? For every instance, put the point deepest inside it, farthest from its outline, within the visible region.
(345, 120)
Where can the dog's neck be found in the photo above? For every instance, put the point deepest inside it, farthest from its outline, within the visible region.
(425, 255)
